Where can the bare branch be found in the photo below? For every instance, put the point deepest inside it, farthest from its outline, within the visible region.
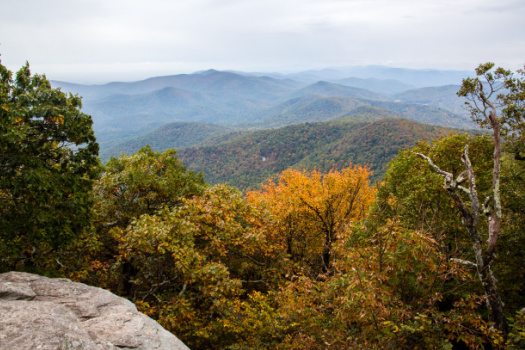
(473, 193)
(464, 189)
(449, 178)
(465, 262)
(239, 254)
(435, 167)
(262, 280)
(462, 177)
(486, 209)
(183, 289)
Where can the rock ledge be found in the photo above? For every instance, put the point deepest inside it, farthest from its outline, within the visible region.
(55, 313)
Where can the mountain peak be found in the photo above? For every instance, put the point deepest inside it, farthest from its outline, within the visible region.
(208, 72)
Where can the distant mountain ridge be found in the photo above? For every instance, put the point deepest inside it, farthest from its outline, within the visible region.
(307, 108)
(439, 96)
(173, 135)
(207, 81)
(124, 111)
(415, 77)
(337, 90)
(380, 86)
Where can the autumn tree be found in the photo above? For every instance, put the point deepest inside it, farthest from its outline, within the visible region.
(384, 291)
(185, 265)
(48, 162)
(311, 210)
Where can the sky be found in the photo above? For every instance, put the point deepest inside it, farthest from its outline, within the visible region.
(97, 41)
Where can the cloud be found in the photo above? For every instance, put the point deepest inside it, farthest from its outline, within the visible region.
(144, 36)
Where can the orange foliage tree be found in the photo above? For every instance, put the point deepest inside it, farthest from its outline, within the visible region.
(310, 211)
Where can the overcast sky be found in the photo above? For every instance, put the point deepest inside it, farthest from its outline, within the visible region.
(94, 41)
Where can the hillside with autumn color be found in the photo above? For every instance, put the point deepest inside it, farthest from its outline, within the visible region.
(247, 160)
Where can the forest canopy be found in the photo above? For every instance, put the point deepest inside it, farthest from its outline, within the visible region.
(311, 260)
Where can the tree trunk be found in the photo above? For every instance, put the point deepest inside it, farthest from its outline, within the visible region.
(470, 218)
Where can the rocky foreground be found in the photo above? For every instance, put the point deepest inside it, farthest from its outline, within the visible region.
(54, 313)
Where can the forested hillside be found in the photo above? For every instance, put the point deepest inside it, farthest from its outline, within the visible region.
(249, 159)
(173, 135)
(318, 256)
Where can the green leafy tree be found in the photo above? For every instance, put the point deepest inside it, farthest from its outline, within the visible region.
(414, 191)
(420, 199)
(143, 183)
(130, 186)
(496, 103)
(48, 162)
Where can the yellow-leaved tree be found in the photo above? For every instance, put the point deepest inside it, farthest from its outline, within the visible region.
(310, 211)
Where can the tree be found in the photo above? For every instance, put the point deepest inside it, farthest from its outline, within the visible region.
(143, 183)
(312, 209)
(131, 186)
(501, 111)
(185, 263)
(502, 94)
(421, 201)
(48, 162)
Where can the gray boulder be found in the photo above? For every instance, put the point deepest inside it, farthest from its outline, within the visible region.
(54, 313)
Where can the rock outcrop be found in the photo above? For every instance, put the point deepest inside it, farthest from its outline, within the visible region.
(54, 313)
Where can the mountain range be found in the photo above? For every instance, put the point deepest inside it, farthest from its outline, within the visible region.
(212, 107)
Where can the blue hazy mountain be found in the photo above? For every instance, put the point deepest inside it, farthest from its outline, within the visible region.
(124, 111)
(338, 90)
(414, 77)
(439, 96)
(211, 81)
(380, 86)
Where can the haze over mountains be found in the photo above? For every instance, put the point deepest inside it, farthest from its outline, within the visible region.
(210, 107)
